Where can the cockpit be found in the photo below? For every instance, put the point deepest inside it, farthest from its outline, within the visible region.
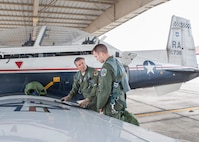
(45, 41)
(45, 36)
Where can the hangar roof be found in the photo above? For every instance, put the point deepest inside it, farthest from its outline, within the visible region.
(93, 16)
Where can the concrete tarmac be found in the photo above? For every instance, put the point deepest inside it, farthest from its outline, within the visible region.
(175, 114)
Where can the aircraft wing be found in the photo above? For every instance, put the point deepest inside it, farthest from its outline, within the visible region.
(35, 118)
(168, 88)
(183, 70)
(127, 57)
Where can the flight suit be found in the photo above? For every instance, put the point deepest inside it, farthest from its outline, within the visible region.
(86, 85)
(108, 75)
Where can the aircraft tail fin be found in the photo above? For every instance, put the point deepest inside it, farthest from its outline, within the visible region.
(180, 45)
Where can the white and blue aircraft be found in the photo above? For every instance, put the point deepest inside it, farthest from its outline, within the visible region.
(48, 58)
(26, 118)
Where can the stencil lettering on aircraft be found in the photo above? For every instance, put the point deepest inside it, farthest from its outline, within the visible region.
(176, 48)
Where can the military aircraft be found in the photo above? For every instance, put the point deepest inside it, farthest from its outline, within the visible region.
(26, 118)
(46, 54)
(47, 57)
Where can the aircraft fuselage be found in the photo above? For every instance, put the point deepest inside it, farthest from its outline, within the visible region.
(17, 72)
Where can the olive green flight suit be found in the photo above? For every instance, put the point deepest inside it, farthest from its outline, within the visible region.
(86, 85)
(113, 84)
(106, 79)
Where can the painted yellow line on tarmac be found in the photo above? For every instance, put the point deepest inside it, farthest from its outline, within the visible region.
(166, 111)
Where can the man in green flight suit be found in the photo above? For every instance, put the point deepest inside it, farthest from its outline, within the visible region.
(113, 85)
(85, 83)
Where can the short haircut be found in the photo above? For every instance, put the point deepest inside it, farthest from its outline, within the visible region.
(100, 48)
(78, 58)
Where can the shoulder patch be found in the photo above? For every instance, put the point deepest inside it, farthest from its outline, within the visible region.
(103, 72)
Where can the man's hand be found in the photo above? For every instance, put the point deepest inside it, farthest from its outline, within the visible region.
(84, 103)
(101, 110)
(66, 98)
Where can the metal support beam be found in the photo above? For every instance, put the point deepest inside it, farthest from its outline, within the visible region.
(119, 13)
(35, 17)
